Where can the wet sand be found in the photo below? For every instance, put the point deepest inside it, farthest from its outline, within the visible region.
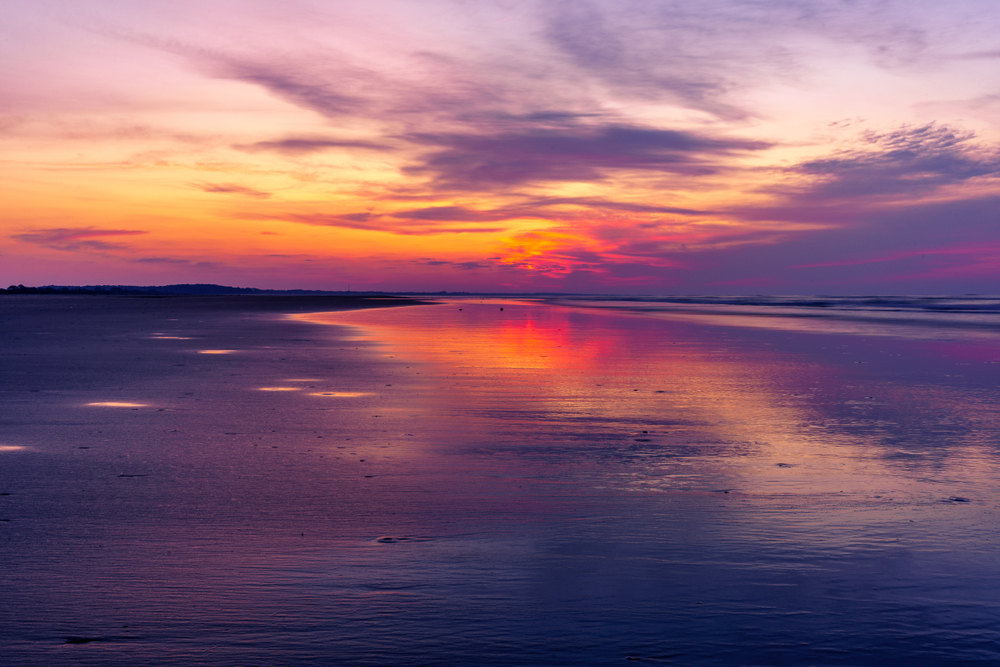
(199, 482)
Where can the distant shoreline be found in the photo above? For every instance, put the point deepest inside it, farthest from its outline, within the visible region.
(201, 289)
(262, 304)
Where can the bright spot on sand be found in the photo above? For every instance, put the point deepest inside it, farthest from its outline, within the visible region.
(10, 448)
(215, 351)
(278, 389)
(342, 394)
(171, 337)
(116, 404)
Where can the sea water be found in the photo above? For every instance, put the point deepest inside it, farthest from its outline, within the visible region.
(580, 482)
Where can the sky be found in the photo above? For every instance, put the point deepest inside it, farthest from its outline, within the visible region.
(597, 146)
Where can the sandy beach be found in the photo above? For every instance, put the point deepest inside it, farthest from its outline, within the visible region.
(292, 481)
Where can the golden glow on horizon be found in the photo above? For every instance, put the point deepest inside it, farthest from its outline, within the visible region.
(278, 389)
(11, 448)
(185, 158)
(216, 351)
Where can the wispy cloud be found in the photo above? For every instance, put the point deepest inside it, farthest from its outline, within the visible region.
(304, 145)
(298, 79)
(367, 221)
(231, 188)
(77, 238)
(464, 266)
(901, 162)
(547, 208)
(177, 261)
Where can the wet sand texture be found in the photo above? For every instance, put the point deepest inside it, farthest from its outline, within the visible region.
(456, 484)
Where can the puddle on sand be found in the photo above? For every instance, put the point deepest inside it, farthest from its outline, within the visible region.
(117, 404)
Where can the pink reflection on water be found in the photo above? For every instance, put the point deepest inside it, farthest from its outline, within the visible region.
(649, 404)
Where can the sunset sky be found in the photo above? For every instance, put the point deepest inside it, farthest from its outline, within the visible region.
(626, 146)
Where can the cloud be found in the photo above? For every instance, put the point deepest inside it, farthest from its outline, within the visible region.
(703, 55)
(697, 56)
(932, 248)
(178, 261)
(458, 214)
(484, 162)
(231, 188)
(906, 161)
(296, 79)
(76, 238)
(369, 222)
(91, 130)
(638, 52)
(858, 216)
(446, 219)
(630, 207)
(465, 266)
(304, 145)
(535, 208)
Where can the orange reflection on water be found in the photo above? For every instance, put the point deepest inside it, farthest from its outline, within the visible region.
(690, 406)
(616, 372)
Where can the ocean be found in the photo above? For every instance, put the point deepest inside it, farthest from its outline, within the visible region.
(550, 481)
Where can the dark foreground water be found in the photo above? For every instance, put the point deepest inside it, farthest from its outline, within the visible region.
(583, 483)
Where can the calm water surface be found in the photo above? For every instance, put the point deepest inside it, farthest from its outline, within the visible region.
(538, 485)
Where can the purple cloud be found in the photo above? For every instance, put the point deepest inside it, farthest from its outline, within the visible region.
(465, 266)
(304, 145)
(502, 159)
(289, 80)
(908, 160)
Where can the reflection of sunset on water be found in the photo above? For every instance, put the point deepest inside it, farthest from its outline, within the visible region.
(690, 407)
(563, 482)
(580, 376)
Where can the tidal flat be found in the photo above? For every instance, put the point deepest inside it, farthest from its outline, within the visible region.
(302, 481)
